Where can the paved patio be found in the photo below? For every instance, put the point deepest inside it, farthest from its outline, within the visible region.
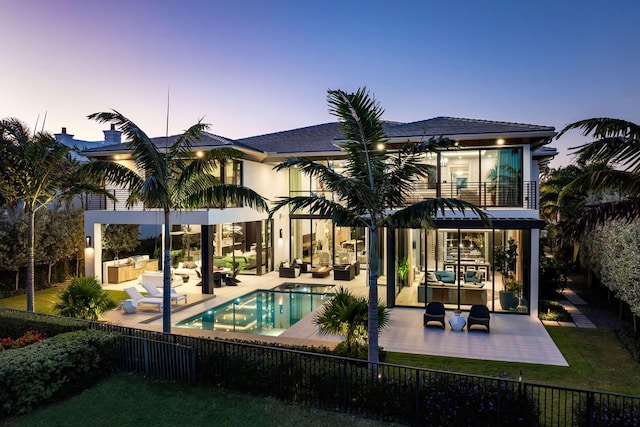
(513, 338)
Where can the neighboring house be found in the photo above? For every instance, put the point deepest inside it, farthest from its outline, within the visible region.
(496, 167)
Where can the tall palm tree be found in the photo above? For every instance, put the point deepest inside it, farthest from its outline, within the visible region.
(171, 178)
(617, 147)
(373, 191)
(36, 170)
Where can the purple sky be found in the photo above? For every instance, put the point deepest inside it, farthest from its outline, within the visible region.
(254, 67)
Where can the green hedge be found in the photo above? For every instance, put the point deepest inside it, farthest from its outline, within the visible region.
(54, 368)
(14, 324)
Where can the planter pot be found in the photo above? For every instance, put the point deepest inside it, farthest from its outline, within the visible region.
(508, 300)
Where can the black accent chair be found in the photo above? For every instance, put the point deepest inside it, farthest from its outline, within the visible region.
(230, 280)
(290, 272)
(479, 315)
(344, 272)
(217, 279)
(434, 314)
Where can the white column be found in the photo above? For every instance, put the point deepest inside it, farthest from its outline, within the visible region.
(535, 268)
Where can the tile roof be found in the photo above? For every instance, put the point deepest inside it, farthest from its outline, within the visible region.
(207, 140)
(317, 138)
(438, 126)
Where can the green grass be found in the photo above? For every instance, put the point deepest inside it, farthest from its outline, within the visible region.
(597, 361)
(45, 299)
(126, 400)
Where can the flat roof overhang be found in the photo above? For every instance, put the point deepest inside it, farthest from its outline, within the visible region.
(499, 223)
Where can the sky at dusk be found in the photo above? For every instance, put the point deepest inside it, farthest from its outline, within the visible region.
(255, 67)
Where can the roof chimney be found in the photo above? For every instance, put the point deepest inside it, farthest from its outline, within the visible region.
(112, 136)
(65, 138)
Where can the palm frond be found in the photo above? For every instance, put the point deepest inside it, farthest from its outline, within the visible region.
(421, 214)
(626, 210)
(223, 194)
(617, 141)
(624, 182)
(341, 215)
(145, 154)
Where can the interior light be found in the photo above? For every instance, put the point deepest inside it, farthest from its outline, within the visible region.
(500, 141)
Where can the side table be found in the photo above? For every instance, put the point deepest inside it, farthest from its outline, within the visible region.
(457, 322)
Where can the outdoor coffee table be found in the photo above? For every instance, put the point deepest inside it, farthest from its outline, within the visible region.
(320, 272)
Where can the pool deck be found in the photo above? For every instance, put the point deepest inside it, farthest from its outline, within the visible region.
(513, 338)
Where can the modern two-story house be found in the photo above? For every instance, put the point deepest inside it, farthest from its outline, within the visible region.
(496, 167)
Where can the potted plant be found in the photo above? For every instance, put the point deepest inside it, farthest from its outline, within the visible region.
(504, 261)
(403, 271)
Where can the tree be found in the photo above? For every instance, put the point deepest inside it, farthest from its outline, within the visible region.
(36, 170)
(171, 178)
(346, 315)
(617, 144)
(83, 299)
(120, 237)
(373, 191)
(505, 259)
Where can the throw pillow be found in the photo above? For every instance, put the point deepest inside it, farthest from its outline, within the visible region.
(431, 277)
(285, 265)
(190, 264)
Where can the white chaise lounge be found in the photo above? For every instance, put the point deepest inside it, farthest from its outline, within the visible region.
(137, 298)
(154, 292)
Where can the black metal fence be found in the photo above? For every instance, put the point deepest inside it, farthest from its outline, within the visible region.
(388, 392)
(391, 392)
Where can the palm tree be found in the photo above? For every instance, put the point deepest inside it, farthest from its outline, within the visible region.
(83, 299)
(169, 179)
(373, 191)
(617, 144)
(36, 171)
(345, 314)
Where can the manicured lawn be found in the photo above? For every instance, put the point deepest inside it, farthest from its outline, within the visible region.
(597, 361)
(126, 400)
(46, 298)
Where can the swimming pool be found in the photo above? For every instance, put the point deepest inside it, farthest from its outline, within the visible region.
(262, 312)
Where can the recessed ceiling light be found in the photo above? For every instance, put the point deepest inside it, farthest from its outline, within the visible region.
(500, 141)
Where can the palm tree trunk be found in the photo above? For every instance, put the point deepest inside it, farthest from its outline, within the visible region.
(30, 259)
(166, 282)
(374, 356)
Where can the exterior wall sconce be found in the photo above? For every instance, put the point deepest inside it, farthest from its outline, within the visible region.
(87, 242)
(280, 233)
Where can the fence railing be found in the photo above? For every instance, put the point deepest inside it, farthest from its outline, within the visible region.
(93, 202)
(389, 392)
(483, 194)
(158, 359)
(395, 393)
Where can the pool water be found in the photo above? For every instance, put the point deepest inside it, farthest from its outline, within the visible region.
(262, 312)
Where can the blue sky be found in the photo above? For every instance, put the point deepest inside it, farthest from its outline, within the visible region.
(254, 67)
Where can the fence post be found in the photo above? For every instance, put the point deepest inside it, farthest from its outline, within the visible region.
(417, 411)
(281, 376)
(590, 409)
(145, 352)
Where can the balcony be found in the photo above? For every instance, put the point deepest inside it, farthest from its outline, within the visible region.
(482, 194)
(94, 202)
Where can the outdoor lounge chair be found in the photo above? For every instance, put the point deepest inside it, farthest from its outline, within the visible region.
(156, 293)
(137, 298)
(479, 316)
(434, 314)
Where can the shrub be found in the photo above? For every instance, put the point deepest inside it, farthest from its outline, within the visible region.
(55, 367)
(28, 338)
(630, 340)
(14, 324)
(551, 310)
